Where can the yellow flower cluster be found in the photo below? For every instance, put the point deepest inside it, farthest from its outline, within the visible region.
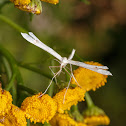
(21, 2)
(97, 120)
(51, 1)
(30, 9)
(39, 109)
(14, 117)
(32, 6)
(82, 124)
(64, 120)
(94, 115)
(43, 108)
(73, 96)
(5, 101)
(10, 115)
(88, 79)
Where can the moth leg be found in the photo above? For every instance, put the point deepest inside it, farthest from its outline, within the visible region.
(66, 90)
(72, 75)
(50, 82)
(50, 67)
(68, 84)
(57, 61)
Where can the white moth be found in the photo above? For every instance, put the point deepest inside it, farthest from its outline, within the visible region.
(63, 60)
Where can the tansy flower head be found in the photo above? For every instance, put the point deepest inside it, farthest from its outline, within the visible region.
(82, 124)
(21, 2)
(15, 117)
(5, 101)
(73, 96)
(97, 120)
(95, 116)
(39, 109)
(89, 79)
(62, 120)
(32, 6)
(51, 1)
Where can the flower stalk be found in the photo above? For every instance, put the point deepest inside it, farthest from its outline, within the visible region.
(51, 88)
(14, 69)
(89, 100)
(76, 114)
(11, 23)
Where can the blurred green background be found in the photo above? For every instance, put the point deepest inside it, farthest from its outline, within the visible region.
(98, 33)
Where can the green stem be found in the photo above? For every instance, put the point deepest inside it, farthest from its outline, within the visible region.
(27, 66)
(74, 108)
(12, 63)
(76, 114)
(51, 88)
(11, 82)
(14, 70)
(28, 122)
(11, 23)
(46, 124)
(89, 100)
(13, 73)
(7, 67)
(14, 93)
(19, 78)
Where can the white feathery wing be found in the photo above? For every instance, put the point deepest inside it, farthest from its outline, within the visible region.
(34, 40)
(98, 69)
(71, 55)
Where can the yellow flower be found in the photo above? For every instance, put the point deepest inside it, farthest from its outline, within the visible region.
(39, 109)
(82, 124)
(21, 2)
(97, 120)
(15, 117)
(5, 101)
(32, 6)
(73, 96)
(51, 1)
(95, 116)
(62, 120)
(1, 124)
(89, 79)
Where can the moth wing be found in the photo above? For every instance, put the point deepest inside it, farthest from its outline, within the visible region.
(34, 40)
(98, 69)
(72, 54)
